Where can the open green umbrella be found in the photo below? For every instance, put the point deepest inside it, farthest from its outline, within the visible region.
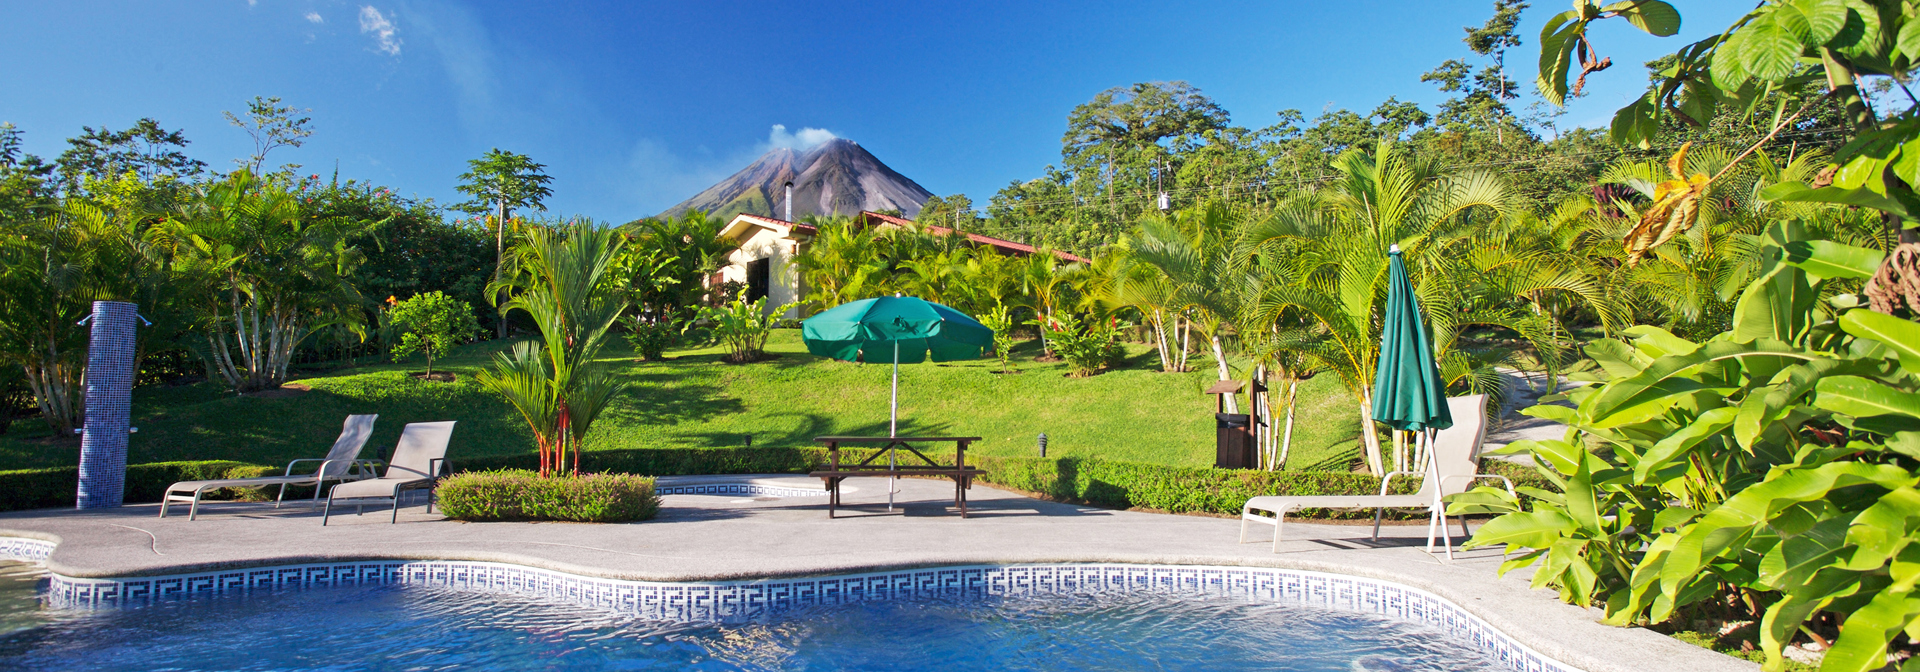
(1408, 393)
(900, 328)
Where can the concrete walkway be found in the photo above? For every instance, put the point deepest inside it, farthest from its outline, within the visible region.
(701, 537)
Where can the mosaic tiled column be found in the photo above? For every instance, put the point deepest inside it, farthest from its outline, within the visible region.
(103, 446)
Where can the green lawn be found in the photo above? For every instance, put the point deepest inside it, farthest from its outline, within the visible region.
(695, 400)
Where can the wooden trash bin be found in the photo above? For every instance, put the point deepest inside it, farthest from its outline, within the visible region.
(1235, 445)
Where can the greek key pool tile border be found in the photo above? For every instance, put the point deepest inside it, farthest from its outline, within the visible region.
(746, 600)
(749, 489)
(24, 549)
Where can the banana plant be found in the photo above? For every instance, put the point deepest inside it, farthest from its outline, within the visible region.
(1771, 466)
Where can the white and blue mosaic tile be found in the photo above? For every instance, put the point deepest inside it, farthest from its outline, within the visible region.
(748, 489)
(734, 601)
(26, 550)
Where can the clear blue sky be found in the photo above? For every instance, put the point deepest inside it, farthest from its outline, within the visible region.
(636, 106)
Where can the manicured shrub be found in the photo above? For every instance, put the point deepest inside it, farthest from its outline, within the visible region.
(1087, 346)
(1175, 489)
(520, 494)
(55, 487)
(651, 338)
(430, 324)
(669, 461)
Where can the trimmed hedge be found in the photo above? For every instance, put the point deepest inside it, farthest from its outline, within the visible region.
(666, 461)
(1125, 485)
(520, 494)
(1098, 482)
(57, 486)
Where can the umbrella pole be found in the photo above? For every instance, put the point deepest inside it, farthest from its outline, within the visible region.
(893, 424)
(1436, 515)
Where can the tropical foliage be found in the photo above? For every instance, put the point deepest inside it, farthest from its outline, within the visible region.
(1758, 466)
(560, 280)
(430, 324)
(741, 325)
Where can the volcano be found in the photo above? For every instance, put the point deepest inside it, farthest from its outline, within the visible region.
(836, 177)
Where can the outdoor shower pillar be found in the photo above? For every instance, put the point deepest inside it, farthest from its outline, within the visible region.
(103, 444)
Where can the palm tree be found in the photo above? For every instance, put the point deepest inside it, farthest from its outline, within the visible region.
(843, 262)
(267, 271)
(1339, 258)
(666, 262)
(1194, 250)
(559, 278)
(1047, 285)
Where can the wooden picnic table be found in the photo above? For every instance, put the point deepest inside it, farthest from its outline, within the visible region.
(835, 472)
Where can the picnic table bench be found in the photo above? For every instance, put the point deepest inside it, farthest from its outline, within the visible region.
(835, 472)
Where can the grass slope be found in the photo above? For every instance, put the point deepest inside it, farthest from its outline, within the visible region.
(1132, 413)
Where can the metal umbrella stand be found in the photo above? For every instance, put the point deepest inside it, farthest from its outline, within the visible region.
(914, 329)
(1408, 393)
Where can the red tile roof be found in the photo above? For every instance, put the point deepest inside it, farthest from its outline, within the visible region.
(808, 228)
(1022, 249)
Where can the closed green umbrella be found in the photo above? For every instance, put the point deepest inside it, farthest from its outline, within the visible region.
(1408, 393)
(900, 328)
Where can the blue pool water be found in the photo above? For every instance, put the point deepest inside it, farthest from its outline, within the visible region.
(425, 628)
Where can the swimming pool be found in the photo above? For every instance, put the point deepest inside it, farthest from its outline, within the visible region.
(395, 626)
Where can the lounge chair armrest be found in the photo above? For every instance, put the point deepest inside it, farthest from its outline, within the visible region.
(361, 469)
(435, 466)
(323, 466)
(1503, 479)
(1388, 479)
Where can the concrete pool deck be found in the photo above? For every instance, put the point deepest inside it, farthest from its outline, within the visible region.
(718, 537)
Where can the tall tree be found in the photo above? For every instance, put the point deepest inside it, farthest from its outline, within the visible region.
(151, 152)
(23, 177)
(268, 271)
(272, 126)
(1480, 101)
(1120, 133)
(953, 212)
(501, 182)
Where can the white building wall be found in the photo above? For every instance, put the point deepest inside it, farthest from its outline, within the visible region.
(784, 278)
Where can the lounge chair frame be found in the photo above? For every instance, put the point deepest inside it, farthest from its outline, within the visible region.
(435, 449)
(1469, 414)
(191, 492)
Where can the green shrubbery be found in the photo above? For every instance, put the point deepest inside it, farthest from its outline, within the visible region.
(669, 461)
(651, 338)
(55, 487)
(1088, 346)
(1105, 483)
(743, 326)
(519, 494)
(1125, 485)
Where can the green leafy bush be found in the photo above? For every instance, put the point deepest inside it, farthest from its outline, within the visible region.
(1001, 322)
(1767, 474)
(1088, 346)
(430, 324)
(520, 494)
(1174, 489)
(651, 338)
(743, 326)
(55, 487)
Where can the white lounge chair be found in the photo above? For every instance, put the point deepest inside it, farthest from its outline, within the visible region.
(415, 465)
(1456, 451)
(340, 464)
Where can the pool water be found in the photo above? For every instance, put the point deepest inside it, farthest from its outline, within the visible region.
(427, 628)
